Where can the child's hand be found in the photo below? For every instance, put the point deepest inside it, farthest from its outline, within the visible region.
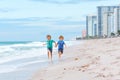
(65, 46)
(56, 45)
(44, 44)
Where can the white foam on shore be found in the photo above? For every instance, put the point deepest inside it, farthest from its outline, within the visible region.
(12, 53)
(32, 62)
(6, 68)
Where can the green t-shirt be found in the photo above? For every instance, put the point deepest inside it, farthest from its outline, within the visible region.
(50, 43)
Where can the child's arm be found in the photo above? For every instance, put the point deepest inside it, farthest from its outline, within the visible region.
(56, 44)
(65, 45)
(44, 44)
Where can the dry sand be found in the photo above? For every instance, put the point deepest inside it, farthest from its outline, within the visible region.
(93, 60)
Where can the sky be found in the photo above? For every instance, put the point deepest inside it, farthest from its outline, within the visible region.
(32, 20)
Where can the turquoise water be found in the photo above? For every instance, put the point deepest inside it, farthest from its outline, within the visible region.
(15, 42)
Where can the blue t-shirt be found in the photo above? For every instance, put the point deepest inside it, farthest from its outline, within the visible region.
(61, 44)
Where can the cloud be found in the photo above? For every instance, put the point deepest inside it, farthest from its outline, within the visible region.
(5, 10)
(69, 22)
(30, 19)
(65, 1)
(44, 21)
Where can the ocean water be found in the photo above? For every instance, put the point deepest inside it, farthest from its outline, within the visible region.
(15, 55)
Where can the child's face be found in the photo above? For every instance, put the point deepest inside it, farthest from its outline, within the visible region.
(48, 38)
(60, 38)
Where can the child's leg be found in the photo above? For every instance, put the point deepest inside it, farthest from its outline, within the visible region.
(50, 54)
(60, 54)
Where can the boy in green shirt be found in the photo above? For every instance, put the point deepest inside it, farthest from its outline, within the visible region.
(50, 46)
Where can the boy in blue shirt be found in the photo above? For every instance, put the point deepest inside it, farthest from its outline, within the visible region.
(60, 45)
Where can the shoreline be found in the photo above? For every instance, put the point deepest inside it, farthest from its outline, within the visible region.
(93, 60)
(22, 68)
(20, 71)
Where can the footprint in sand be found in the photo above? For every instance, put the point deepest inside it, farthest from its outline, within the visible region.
(84, 68)
(118, 58)
(76, 59)
(65, 69)
(101, 75)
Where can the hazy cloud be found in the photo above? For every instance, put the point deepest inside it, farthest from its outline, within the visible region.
(65, 1)
(44, 21)
(5, 10)
(69, 22)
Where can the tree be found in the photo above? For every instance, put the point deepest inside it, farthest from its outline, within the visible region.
(112, 34)
(118, 32)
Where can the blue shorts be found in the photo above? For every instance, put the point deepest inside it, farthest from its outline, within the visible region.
(60, 50)
(50, 49)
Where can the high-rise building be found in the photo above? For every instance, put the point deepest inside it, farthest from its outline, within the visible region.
(108, 20)
(108, 24)
(91, 25)
(116, 19)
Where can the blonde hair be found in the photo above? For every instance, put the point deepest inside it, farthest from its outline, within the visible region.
(61, 37)
(48, 36)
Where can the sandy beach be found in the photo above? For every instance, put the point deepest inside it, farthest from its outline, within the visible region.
(97, 59)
